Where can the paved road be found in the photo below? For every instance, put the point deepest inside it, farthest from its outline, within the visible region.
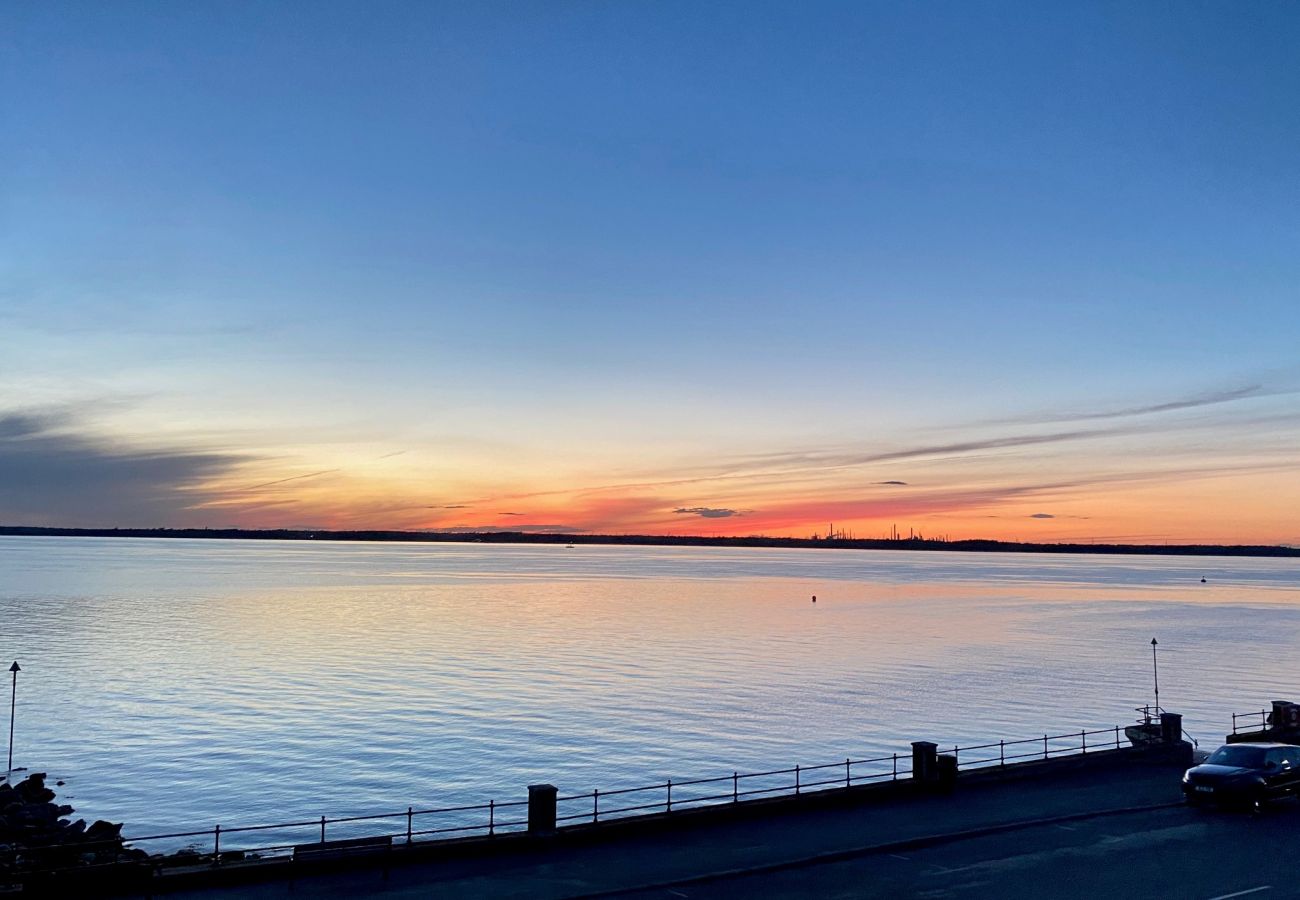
(1167, 853)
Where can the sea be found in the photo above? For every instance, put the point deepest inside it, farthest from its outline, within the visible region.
(175, 685)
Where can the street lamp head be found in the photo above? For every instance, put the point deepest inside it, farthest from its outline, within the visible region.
(15, 667)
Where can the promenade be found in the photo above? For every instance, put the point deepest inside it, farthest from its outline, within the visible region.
(862, 850)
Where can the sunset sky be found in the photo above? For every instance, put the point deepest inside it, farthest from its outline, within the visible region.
(1010, 270)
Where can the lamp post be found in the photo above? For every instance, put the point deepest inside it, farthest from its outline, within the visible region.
(13, 699)
(1155, 673)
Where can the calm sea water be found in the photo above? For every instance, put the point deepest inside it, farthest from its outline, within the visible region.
(185, 683)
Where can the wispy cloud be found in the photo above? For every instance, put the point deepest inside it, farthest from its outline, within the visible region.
(1190, 401)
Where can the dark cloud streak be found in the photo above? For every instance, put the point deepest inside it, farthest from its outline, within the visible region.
(707, 512)
(52, 475)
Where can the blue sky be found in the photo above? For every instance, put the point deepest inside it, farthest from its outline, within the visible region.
(557, 247)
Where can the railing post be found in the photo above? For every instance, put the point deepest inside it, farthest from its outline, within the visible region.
(1044, 746)
(595, 805)
(1084, 736)
(1002, 753)
(735, 787)
(322, 829)
(895, 778)
(848, 776)
(796, 780)
(1116, 737)
(492, 818)
(410, 813)
(216, 844)
(670, 795)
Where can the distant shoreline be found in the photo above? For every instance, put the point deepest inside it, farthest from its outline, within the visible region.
(653, 540)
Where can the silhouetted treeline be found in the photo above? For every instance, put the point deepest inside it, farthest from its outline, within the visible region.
(519, 537)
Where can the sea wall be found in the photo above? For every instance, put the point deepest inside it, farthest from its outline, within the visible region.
(205, 871)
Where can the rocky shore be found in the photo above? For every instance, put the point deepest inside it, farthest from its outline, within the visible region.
(37, 835)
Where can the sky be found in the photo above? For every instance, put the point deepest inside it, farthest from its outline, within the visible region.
(1006, 270)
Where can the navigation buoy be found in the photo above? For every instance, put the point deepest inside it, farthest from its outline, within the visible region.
(1202, 581)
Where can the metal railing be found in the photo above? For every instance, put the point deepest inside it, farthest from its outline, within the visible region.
(217, 844)
(493, 818)
(1048, 746)
(676, 795)
(1257, 721)
(486, 819)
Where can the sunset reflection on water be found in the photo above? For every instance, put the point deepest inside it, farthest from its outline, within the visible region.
(171, 682)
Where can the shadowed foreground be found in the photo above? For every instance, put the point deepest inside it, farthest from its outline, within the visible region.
(865, 850)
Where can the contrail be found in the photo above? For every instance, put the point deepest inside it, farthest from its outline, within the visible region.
(293, 478)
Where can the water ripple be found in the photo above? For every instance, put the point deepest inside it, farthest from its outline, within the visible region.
(177, 684)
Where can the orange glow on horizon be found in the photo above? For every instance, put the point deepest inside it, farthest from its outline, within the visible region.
(1181, 510)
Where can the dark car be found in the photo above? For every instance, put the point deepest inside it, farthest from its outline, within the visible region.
(1244, 774)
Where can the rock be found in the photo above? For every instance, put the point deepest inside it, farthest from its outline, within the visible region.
(60, 783)
(45, 813)
(32, 789)
(36, 836)
(104, 831)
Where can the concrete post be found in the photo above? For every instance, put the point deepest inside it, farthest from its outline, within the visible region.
(541, 808)
(1284, 715)
(1171, 727)
(945, 772)
(924, 766)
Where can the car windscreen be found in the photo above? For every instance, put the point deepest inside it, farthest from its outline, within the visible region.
(1244, 757)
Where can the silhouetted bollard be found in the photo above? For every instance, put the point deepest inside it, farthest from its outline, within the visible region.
(1171, 727)
(924, 766)
(541, 808)
(946, 772)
